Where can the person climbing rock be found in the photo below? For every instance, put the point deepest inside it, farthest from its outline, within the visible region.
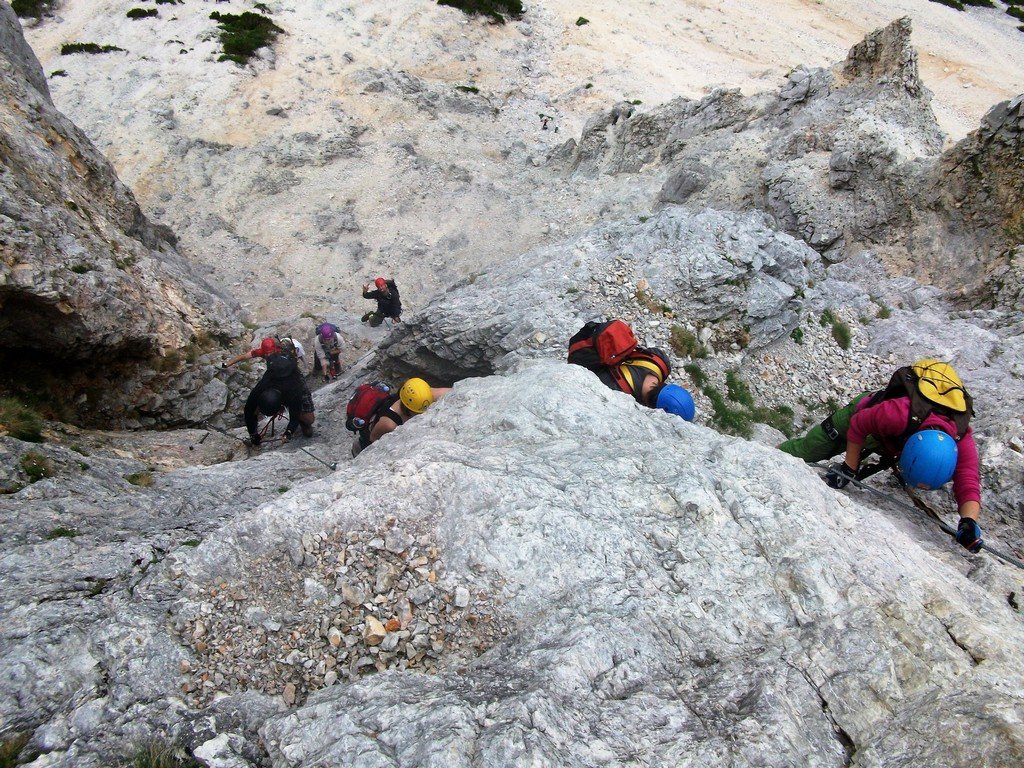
(919, 424)
(610, 350)
(389, 305)
(327, 350)
(413, 398)
(294, 349)
(269, 346)
(282, 386)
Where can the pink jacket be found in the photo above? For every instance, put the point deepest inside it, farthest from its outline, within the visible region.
(886, 422)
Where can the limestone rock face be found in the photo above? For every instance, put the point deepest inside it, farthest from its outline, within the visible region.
(845, 159)
(979, 187)
(95, 298)
(727, 270)
(697, 595)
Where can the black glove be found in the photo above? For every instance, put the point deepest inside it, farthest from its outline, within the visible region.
(255, 438)
(839, 475)
(968, 534)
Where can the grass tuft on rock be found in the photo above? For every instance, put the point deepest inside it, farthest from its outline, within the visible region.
(685, 344)
(12, 748)
(735, 413)
(19, 421)
(142, 13)
(842, 334)
(61, 532)
(242, 34)
(498, 11)
(159, 754)
(737, 389)
(36, 466)
(69, 48)
(141, 479)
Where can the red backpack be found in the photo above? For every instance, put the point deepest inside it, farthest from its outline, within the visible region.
(605, 348)
(363, 404)
(599, 345)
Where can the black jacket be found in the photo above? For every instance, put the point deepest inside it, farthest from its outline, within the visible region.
(283, 375)
(387, 305)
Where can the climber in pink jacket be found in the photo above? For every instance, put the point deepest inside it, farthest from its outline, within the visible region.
(920, 421)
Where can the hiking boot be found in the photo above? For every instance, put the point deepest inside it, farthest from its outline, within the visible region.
(307, 430)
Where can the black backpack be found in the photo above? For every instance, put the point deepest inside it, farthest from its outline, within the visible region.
(280, 366)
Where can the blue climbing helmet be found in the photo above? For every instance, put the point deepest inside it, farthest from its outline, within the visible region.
(677, 400)
(928, 459)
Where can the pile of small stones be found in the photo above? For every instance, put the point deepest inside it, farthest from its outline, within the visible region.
(362, 602)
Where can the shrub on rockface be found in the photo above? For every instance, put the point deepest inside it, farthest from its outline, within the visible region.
(495, 10)
(20, 421)
(160, 754)
(32, 9)
(959, 4)
(141, 13)
(242, 34)
(69, 48)
(36, 466)
(685, 344)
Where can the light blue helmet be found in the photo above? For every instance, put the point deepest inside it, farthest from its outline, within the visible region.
(677, 400)
(928, 459)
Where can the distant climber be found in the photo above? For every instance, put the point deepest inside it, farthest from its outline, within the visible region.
(291, 347)
(282, 386)
(328, 346)
(414, 397)
(610, 350)
(919, 424)
(389, 305)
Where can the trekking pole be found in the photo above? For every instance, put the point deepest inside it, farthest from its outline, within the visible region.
(931, 514)
(332, 467)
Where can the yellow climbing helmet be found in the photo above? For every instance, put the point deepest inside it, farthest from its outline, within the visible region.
(415, 395)
(940, 384)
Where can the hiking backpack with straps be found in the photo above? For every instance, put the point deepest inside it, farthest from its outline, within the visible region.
(607, 348)
(364, 404)
(597, 345)
(933, 387)
(280, 366)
